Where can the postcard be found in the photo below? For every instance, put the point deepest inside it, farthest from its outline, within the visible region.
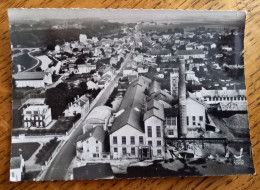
(121, 93)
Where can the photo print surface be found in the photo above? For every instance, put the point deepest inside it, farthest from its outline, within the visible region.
(103, 94)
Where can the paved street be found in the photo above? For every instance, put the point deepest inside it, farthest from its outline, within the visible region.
(60, 164)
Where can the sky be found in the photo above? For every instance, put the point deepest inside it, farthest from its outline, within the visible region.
(127, 15)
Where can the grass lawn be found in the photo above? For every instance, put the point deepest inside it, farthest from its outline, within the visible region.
(27, 149)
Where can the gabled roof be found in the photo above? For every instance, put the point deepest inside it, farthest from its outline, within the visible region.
(93, 171)
(154, 87)
(100, 112)
(30, 75)
(132, 105)
(154, 108)
(98, 133)
(16, 162)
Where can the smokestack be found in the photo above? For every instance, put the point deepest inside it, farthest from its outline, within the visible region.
(182, 100)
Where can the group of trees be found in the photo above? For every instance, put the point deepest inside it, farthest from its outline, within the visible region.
(45, 152)
(59, 97)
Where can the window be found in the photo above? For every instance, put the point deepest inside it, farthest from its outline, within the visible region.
(124, 151)
(96, 142)
(227, 98)
(12, 174)
(133, 151)
(224, 98)
(97, 149)
(201, 118)
(35, 112)
(87, 141)
(95, 155)
(170, 121)
(231, 98)
(209, 98)
(150, 143)
(193, 118)
(193, 123)
(123, 140)
(159, 152)
(187, 120)
(115, 149)
(220, 98)
(158, 131)
(141, 140)
(87, 150)
(149, 131)
(159, 143)
(114, 140)
(132, 139)
(171, 132)
(28, 112)
(235, 98)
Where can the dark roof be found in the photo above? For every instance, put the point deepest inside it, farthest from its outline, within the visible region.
(15, 162)
(170, 112)
(189, 52)
(160, 51)
(154, 108)
(93, 171)
(30, 75)
(131, 106)
(97, 133)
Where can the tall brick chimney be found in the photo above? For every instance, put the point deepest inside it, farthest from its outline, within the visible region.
(182, 100)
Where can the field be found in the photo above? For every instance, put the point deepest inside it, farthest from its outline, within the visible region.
(27, 149)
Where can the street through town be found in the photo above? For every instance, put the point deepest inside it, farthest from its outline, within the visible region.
(58, 167)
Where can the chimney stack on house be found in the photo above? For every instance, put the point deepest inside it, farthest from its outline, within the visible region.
(182, 100)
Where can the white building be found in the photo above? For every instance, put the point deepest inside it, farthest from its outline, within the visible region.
(36, 116)
(196, 115)
(86, 68)
(32, 79)
(17, 168)
(92, 86)
(90, 145)
(154, 128)
(127, 135)
(82, 38)
(186, 54)
(79, 106)
(217, 96)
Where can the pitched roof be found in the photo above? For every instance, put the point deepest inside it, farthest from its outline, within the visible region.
(16, 162)
(131, 106)
(233, 106)
(93, 171)
(154, 108)
(189, 52)
(221, 93)
(98, 133)
(30, 75)
(100, 112)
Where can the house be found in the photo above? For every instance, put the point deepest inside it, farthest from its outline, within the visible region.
(92, 86)
(154, 129)
(93, 171)
(98, 116)
(171, 120)
(196, 115)
(155, 52)
(142, 69)
(91, 144)
(82, 38)
(79, 106)
(32, 79)
(17, 168)
(129, 71)
(86, 68)
(127, 135)
(36, 116)
(186, 54)
(226, 48)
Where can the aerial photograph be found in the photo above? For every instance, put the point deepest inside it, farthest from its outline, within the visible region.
(120, 93)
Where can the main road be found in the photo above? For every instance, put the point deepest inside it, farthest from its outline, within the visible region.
(59, 166)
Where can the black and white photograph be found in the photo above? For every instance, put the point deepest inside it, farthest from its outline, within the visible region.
(128, 93)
